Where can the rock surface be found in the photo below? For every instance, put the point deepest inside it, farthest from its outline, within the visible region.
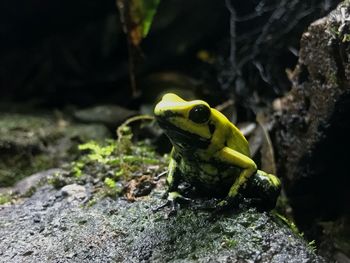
(110, 115)
(33, 142)
(30, 183)
(312, 131)
(320, 93)
(55, 226)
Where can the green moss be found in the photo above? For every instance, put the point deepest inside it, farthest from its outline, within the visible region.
(312, 246)
(282, 219)
(110, 183)
(76, 168)
(113, 163)
(346, 38)
(92, 202)
(111, 188)
(281, 209)
(5, 198)
(228, 242)
(97, 152)
(334, 31)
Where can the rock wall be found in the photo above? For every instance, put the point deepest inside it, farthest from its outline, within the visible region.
(312, 128)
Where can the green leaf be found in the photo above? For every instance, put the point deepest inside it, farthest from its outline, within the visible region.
(144, 12)
(137, 17)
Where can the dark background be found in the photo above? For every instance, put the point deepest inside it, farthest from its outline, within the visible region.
(54, 53)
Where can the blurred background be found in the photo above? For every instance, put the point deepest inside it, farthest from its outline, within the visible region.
(59, 53)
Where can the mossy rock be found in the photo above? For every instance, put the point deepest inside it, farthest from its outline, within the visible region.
(30, 143)
(123, 231)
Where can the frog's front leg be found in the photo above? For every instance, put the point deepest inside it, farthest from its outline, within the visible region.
(173, 177)
(172, 180)
(240, 160)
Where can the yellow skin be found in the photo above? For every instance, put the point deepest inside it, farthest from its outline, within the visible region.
(208, 150)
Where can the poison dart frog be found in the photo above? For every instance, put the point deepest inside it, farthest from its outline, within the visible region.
(211, 154)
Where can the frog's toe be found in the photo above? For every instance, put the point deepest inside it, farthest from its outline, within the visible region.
(160, 207)
(174, 200)
(173, 204)
(177, 197)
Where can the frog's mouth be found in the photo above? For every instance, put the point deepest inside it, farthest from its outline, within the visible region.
(181, 138)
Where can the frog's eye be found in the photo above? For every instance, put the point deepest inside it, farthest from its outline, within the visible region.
(199, 113)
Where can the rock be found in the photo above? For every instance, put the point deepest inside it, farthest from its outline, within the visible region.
(319, 96)
(110, 115)
(74, 192)
(87, 132)
(122, 231)
(311, 135)
(25, 132)
(34, 142)
(24, 138)
(31, 182)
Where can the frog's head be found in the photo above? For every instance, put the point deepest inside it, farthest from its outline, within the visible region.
(186, 123)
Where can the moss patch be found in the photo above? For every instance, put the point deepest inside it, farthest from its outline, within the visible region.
(5, 198)
(115, 167)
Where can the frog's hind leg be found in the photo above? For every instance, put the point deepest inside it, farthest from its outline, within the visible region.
(263, 189)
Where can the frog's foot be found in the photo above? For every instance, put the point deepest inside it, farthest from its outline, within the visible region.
(173, 201)
(262, 190)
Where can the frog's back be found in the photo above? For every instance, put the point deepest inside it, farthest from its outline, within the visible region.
(234, 138)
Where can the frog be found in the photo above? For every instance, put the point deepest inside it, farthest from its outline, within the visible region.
(212, 155)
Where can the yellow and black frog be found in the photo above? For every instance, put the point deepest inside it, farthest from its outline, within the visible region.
(211, 154)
